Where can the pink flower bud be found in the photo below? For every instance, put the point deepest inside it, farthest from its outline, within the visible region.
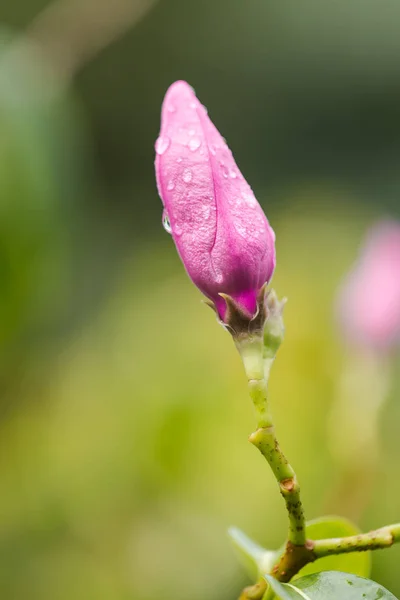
(220, 231)
(369, 301)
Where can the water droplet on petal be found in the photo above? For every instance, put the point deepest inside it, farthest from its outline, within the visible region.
(166, 223)
(193, 105)
(250, 199)
(162, 144)
(212, 149)
(179, 159)
(192, 131)
(170, 185)
(187, 176)
(232, 174)
(224, 171)
(171, 108)
(194, 144)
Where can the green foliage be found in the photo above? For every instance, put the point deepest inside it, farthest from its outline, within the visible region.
(330, 585)
(256, 560)
(37, 181)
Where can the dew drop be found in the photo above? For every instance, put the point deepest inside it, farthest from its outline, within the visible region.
(170, 185)
(171, 108)
(250, 200)
(193, 105)
(162, 144)
(187, 176)
(166, 223)
(194, 144)
(212, 149)
(224, 171)
(232, 174)
(192, 131)
(179, 159)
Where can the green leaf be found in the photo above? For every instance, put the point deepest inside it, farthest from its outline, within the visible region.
(330, 585)
(358, 563)
(255, 559)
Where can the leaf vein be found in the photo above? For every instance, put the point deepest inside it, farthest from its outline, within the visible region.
(302, 594)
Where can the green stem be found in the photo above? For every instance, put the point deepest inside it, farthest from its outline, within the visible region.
(298, 551)
(264, 438)
(373, 540)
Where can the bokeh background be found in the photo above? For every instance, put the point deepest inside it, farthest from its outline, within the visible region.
(124, 413)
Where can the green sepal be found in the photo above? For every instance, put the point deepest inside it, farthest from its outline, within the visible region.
(274, 329)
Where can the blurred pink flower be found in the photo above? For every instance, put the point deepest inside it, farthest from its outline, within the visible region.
(220, 231)
(369, 301)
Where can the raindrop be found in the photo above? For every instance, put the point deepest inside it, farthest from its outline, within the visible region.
(170, 185)
(162, 144)
(166, 223)
(232, 174)
(250, 199)
(224, 171)
(187, 176)
(194, 144)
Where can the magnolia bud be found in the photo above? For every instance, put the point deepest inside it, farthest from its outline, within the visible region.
(220, 231)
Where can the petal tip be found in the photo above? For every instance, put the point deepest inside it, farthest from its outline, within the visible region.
(180, 88)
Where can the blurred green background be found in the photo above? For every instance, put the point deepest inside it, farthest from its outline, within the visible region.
(124, 413)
